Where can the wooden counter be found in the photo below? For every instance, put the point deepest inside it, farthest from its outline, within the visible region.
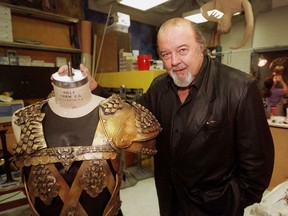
(280, 138)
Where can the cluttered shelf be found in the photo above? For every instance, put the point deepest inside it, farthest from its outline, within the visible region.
(10, 176)
(20, 36)
(34, 13)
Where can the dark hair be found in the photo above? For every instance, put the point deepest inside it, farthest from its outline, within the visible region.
(268, 83)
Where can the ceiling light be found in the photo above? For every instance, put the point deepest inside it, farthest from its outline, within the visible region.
(262, 61)
(194, 16)
(141, 4)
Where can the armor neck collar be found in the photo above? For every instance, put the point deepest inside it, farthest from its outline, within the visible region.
(74, 111)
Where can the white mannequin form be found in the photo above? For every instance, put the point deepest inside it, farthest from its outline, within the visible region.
(71, 101)
(73, 97)
(69, 147)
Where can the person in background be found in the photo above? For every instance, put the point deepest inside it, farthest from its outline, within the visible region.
(215, 154)
(274, 94)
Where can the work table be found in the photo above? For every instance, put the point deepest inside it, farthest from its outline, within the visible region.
(278, 121)
(279, 131)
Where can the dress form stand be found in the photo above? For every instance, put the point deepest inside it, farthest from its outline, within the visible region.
(139, 171)
(71, 155)
(129, 180)
(135, 173)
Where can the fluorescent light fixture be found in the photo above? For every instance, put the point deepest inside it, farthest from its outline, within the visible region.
(141, 4)
(195, 16)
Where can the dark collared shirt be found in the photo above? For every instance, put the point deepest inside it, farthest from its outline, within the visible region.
(181, 111)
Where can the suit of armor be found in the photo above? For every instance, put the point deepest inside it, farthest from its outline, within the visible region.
(72, 166)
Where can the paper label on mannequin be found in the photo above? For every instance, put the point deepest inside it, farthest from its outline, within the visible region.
(76, 95)
(70, 96)
(73, 97)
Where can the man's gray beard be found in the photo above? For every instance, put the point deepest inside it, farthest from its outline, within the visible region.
(182, 83)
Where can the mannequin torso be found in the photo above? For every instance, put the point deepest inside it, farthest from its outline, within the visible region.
(69, 148)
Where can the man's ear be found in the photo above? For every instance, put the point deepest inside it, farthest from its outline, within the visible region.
(200, 49)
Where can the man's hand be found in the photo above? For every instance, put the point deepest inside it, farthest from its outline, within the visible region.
(63, 70)
(92, 81)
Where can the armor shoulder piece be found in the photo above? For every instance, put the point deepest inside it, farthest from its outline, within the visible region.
(126, 124)
(29, 119)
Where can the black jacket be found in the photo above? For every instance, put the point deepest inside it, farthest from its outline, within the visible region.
(224, 159)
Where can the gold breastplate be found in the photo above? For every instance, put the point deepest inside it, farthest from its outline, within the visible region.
(121, 126)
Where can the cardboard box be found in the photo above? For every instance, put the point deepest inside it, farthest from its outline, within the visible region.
(4, 60)
(61, 61)
(24, 60)
(6, 36)
(49, 64)
(120, 18)
(37, 63)
(5, 26)
(5, 13)
(113, 43)
(117, 27)
(119, 22)
(13, 60)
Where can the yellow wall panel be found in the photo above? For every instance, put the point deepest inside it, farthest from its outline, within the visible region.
(131, 79)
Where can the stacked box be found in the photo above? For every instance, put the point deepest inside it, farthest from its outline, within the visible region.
(24, 60)
(119, 22)
(127, 62)
(4, 60)
(114, 42)
(37, 63)
(5, 24)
